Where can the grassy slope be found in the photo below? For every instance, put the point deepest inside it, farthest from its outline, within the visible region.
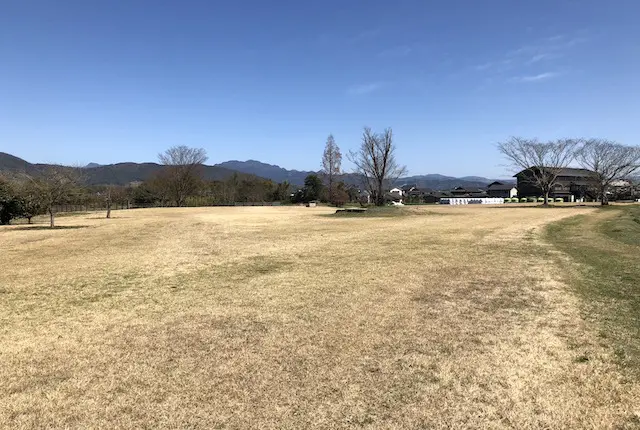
(607, 247)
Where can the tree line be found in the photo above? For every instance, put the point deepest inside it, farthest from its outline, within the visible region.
(180, 182)
(544, 161)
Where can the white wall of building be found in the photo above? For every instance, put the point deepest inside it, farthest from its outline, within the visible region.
(472, 201)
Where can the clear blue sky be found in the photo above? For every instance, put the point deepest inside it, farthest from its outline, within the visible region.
(121, 80)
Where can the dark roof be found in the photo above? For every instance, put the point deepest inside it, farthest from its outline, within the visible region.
(478, 194)
(567, 171)
(499, 186)
(420, 191)
(441, 194)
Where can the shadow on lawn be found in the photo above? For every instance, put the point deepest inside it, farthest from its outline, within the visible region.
(46, 227)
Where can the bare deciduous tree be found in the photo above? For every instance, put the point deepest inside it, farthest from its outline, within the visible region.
(376, 163)
(541, 162)
(331, 164)
(31, 203)
(108, 199)
(183, 170)
(609, 161)
(54, 186)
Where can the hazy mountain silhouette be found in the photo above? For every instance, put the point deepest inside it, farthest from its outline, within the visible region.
(124, 173)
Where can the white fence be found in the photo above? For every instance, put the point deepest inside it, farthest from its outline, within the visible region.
(472, 201)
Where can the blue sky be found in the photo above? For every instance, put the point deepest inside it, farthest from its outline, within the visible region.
(122, 80)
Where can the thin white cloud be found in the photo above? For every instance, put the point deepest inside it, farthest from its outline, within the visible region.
(549, 45)
(572, 42)
(542, 57)
(538, 57)
(545, 50)
(483, 67)
(522, 51)
(536, 78)
(495, 66)
(359, 90)
(556, 38)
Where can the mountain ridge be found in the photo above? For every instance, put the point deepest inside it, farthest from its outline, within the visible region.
(127, 172)
(110, 174)
(279, 174)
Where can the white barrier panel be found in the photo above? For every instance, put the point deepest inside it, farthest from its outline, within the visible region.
(472, 201)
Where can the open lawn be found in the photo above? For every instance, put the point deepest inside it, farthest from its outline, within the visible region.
(444, 317)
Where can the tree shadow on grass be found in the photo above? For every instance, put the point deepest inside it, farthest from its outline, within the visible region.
(46, 227)
(104, 217)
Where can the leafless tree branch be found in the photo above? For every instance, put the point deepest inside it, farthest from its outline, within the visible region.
(375, 162)
(540, 162)
(610, 161)
(182, 171)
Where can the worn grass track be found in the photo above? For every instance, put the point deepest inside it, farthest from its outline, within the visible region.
(282, 318)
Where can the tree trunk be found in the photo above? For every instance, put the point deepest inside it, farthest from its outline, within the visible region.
(28, 220)
(52, 219)
(108, 209)
(546, 198)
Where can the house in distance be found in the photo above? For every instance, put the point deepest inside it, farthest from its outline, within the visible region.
(571, 185)
(501, 189)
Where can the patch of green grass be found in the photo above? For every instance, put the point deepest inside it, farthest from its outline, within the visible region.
(607, 247)
(625, 227)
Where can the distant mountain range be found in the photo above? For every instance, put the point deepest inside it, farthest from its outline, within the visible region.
(114, 174)
(296, 177)
(124, 173)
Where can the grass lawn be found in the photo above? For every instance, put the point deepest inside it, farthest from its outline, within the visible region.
(291, 317)
(606, 248)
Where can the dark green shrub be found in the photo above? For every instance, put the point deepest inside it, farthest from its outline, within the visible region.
(11, 206)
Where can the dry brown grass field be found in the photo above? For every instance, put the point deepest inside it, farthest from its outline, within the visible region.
(446, 317)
